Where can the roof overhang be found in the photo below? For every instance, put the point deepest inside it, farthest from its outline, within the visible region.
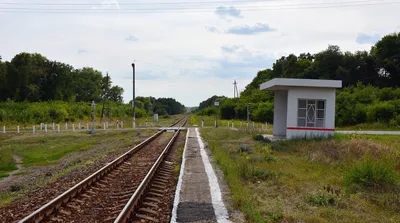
(286, 83)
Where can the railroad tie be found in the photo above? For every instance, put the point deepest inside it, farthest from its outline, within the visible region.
(150, 204)
(159, 186)
(156, 194)
(145, 217)
(73, 207)
(153, 199)
(157, 191)
(148, 211)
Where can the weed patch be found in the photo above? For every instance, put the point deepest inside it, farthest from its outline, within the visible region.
(371, 174)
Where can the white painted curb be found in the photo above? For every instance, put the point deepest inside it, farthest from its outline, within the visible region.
(220, 210)
(179, 186)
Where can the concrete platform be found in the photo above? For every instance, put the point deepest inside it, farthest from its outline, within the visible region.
(198, 196)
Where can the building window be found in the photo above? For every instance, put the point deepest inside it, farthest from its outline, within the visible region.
(311, 113)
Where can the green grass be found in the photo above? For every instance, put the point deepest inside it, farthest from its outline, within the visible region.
(7, 162)
(370, 126)
(303, 180)
(209, 121)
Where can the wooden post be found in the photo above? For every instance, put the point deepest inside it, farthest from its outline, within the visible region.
(122, 124)
(33, 129)
(104, 125)
(233, 125)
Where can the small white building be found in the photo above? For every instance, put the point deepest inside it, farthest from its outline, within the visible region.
(303, 107)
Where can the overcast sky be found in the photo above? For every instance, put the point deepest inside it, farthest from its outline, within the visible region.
(188, 49)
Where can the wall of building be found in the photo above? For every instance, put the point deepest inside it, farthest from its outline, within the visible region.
(280, 112)
(295, 93)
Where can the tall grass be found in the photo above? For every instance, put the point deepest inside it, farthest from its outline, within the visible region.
(371, 174)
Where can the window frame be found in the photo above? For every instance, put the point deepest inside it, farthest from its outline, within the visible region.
(312, 120)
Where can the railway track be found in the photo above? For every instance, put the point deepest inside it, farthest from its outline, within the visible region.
(128, 188)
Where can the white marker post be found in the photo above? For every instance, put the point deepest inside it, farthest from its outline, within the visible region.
(215, 124)
(33, 129)
(87, 125)
(247, 125)
(253, 125)
(45, 128)
(58, 128)
(104, 125)
(17, 128)
(73, 127)
(66, 125)
(4, 129)
(202, 123)
(79, 125)
(41, 126)
(54, 128)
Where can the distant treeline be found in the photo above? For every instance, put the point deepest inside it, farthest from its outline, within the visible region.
(370, 79)
(61, 111)
(34, 78)
(34, 89)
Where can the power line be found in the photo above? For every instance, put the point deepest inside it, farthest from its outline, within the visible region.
(208, 7)
(186, 10)
(139, 3)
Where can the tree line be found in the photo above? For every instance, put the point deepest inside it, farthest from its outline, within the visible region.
(34, 78)
(370, 79)
(34, 89)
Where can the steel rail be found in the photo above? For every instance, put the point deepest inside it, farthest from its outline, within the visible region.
(65, 197)
(129, 208)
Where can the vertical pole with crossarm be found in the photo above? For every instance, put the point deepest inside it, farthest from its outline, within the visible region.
(133, 98)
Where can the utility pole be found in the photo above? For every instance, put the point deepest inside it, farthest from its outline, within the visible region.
(235, 90)
(104, 98)
(248, 113)
(133, 99)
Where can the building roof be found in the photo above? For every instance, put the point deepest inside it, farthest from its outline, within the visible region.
(285, 83)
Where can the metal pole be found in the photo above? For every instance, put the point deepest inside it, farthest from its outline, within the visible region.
(133, 98)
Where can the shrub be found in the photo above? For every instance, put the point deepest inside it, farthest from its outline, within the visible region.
(321, 200)
(258, 137)
(370, 174)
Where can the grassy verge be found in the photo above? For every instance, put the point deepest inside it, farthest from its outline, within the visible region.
(346, 179)
(371, 126)
(209, 121)
(102, 143)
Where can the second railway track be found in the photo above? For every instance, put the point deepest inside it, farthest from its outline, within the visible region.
(113, 193)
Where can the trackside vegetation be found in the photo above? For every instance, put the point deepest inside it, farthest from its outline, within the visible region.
(369, 99)
(342, 179)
